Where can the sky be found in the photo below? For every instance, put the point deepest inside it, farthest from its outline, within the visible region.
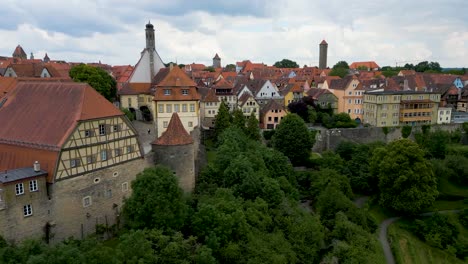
(391, 32)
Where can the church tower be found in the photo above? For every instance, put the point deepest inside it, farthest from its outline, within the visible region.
(323, 55)
(150, 46)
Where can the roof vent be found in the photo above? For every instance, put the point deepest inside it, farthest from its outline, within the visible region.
(37, 166)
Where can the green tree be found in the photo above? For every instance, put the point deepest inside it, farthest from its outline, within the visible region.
(406, 131)
(128, 114)
(97, 78)
(292, 138)
(230, 67)
(222, 119)
(252, 130)
(156, 202)
(285, 63)
(209, 69)
(406, 179)
(312, 114)
(341, 72)
(238, 119)
(341, 64)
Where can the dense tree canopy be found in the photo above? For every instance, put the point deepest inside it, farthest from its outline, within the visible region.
(293, 139)
(406, 179)
(156, 202)
(285, 63)
(222, 119)
(97, 78)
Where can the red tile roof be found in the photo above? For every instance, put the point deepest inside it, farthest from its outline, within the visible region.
(43, 114)
(176, 80)
(175, 134)
(223, 84)
(19, 52)
(366, 64)
(6, 85)
(210, 96)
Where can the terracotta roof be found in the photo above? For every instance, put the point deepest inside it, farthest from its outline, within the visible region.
(366, 64)
(176, 78)
(175, 134)
(244, 98)
(210, 96)
(315, 93)
(407, 72)
(27, 69)
(43, 114)
(323, 42)
(229, 74)
(223, 84)
(135, 88)
(6, 85)
(59, 69)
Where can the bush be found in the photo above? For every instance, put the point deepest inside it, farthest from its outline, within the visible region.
(268, 134)
(406, 131)
(385, 130)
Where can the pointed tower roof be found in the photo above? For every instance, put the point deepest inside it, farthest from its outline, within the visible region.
(175, 134)
(46, 58)
(323, 42)
(19, 52)
(216, 57)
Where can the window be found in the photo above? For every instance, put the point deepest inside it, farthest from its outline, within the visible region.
(130, 149)
(190, 124)
(115, 128)
(184, 92)
(19, 189)
(33, 186)
(74, 163)
(161, 108)
(184, 108)
(124, 186)
(89, 159)
(168, 108)
(118, 152)
(176, 108)
(27, 210)
(103, 154)
(165, 124)
(167, 92)
(86, 201)
(192, 107)
(87, 133)
(102, 129)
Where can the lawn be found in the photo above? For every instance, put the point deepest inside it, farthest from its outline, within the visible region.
(379, 213)
(407, 248)
(450, 188)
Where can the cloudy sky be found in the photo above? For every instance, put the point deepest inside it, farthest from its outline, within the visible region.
(112, 31)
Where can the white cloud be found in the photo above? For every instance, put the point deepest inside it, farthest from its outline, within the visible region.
(262, 31)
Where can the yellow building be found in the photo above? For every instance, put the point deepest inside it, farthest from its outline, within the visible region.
(87, 154)
(293, 92)
(395, 108)
(175, 93)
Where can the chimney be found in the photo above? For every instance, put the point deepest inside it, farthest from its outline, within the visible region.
(405, 85)
(37, 166)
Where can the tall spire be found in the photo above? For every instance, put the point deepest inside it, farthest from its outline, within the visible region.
(150, 36)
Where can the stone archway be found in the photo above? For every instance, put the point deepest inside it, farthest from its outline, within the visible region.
(146, 113)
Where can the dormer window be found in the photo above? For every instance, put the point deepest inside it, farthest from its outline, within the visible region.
(167, 92)
(184, 92)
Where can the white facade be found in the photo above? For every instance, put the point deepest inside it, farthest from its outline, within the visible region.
(444, 115)
(142, 71)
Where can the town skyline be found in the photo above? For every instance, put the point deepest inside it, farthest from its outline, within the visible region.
(112, 31)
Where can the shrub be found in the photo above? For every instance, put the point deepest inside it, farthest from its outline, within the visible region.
(406, 131)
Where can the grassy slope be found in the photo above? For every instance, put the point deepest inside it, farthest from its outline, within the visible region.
(407, 249)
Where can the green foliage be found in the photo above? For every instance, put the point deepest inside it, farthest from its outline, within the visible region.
(292, 138)
(406, 131)
(230, 67)
(385, 130)
(434, 142)
(406, 179)
(456, 168)
(209, 69)
(268, 134)
(238, 119)
(389, 73)
(128, 114)
(285, 63)
(437, 230)
(222, 119)
(97, 78)
(341, 64)
(341, 120)
(426, 66)
(312, 114)
(156, 201)
(341, 72)
(426, 129)
(252, 130)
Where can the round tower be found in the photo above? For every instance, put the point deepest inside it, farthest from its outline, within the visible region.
(150, 36)
(175, 149)
(323, 55)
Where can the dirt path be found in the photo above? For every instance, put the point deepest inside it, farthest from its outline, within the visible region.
(384, 230)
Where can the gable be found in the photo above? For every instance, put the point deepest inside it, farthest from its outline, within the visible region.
(268, 90)
(142, 71)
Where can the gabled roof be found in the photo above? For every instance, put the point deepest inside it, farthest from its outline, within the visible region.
(27, 69)
(223, 84)
(176, 78)
(6, 85)
(315, 93)
(210, 96)
(135, 88)
(244, 98)
(366, 64)
(43, 114)
(272, 105)
(175, 134)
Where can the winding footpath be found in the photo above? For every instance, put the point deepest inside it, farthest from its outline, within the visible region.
(384, 228)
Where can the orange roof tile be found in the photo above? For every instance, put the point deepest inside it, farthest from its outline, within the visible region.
(366, 64)
(6, 84)
(176, 78)
(175, 134)
(210, 96)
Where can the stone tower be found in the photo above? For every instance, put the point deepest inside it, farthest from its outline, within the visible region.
(175, 149)
(19, 53)
(150, 46)
(216, 61)
(46, 58)
(323, 55)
